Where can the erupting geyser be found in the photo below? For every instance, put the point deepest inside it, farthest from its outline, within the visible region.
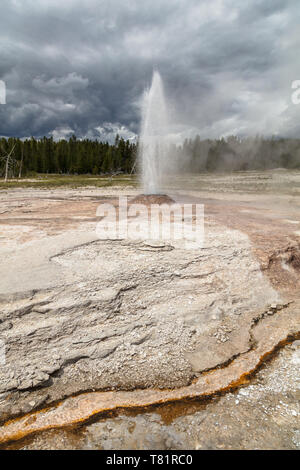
(153, 138)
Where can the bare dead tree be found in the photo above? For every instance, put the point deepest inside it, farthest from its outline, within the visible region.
(133, 166)
(21, 162)
(135, 163)
(9, 162)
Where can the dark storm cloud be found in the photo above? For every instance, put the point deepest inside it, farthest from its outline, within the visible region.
(73, 66)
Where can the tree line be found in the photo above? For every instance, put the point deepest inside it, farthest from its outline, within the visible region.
(234, 153)
(74, 156)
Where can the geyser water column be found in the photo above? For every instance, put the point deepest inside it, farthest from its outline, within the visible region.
(153, 138)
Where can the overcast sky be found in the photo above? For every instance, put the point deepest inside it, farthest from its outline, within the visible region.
(81, 66)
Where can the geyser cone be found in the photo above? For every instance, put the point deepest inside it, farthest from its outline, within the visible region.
(153, 144)
(147, 199)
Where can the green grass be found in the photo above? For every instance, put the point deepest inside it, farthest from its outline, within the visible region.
(70, 181)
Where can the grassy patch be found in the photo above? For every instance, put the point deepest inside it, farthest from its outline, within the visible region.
(72, 181)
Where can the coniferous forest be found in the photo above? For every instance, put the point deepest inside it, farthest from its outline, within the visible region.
(76, 156)
(72, 156)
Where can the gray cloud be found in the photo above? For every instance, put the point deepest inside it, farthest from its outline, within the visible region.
(73, 66)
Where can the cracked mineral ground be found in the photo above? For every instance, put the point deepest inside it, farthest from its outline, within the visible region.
(136, 344)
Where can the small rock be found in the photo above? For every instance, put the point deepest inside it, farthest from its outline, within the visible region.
(295, 344)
